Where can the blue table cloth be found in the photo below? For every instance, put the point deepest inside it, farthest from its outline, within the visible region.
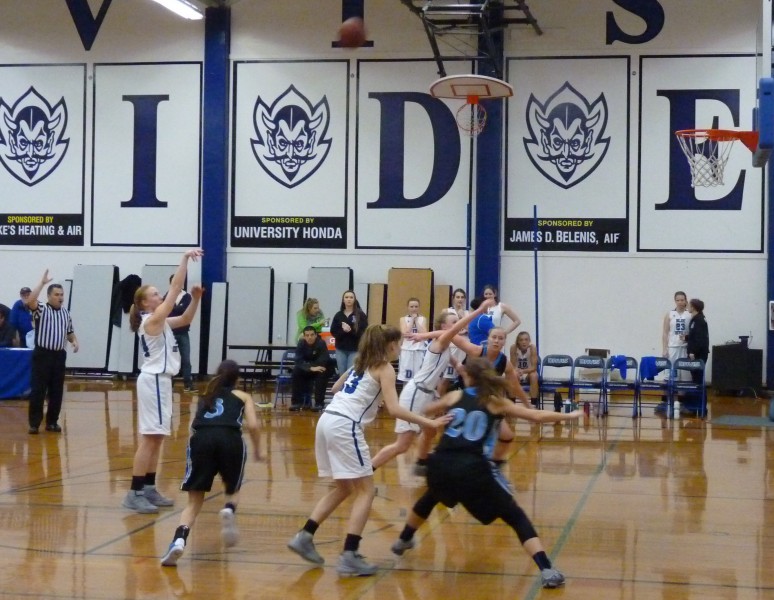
(15, 371)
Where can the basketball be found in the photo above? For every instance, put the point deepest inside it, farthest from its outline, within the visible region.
(352, 33)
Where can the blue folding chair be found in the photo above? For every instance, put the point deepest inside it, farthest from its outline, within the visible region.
(650, 368)
(284, 376)
(585, 384)
(625, 383)
(695, 389)
(555, 374)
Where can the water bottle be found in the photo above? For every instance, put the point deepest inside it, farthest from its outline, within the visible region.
(567, 405)
(676, 413)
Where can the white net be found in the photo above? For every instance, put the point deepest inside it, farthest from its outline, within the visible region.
(707, 156)
(471, 119)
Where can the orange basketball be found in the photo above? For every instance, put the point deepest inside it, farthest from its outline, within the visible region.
(352, 33)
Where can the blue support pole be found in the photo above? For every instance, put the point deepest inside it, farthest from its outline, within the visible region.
(489, 182)
(215, 127)
(535, 268)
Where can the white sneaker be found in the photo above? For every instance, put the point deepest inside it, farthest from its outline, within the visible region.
(228, 529)
(175, 551)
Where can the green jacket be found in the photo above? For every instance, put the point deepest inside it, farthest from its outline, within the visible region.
(301, 321)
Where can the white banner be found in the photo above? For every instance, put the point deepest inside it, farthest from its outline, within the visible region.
(413, 179)
(147, 144)
(568, 137)
(42, 132)
(290, 154)
(697, 92)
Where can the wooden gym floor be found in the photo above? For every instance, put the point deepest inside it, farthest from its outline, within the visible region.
(626, 508)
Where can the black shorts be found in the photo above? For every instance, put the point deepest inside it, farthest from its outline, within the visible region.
(212, 451)
(470, 480)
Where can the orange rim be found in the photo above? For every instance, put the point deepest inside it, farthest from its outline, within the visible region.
(748, 138)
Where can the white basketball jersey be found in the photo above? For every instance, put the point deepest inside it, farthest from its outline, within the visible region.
(432, 369)
(496, 312)
(678, 325)
(358, 399)
(409, 344)
(159, 352)
(522, 358)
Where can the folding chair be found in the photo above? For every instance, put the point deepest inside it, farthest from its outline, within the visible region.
(650, 367)
(580, 384)
(284, 376)
(626, 383)
(555, 374)
(692, 389)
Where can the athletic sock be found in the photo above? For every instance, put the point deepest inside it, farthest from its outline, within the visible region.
(541, 560)
(407, 533)
(182, 532)
(138, 482)
(232, 506)
(150, 479)
(352, 542)
(311, 526)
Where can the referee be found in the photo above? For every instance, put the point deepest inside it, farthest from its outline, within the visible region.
(53, 328)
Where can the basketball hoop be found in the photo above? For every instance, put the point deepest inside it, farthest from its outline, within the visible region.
(471, 116)
(707, 151)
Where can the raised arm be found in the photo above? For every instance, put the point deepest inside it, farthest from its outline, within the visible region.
(442, 342)
(155, 323)
(32, 301)
(187, 317)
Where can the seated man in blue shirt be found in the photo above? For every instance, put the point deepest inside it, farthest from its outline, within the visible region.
(314, 365)
(8, 336)
(21, 317)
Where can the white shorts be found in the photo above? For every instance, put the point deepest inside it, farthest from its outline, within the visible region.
(409, 362)
(154, 404)
(415, 400)
(676, 352)
(340, 448)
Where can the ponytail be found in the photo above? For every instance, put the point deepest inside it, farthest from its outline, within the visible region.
(135, 312)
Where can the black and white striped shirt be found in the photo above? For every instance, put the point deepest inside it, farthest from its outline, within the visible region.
(52, 326)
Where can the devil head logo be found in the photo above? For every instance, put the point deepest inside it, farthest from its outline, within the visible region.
(566, 142)
(31, 136)
(290, 142)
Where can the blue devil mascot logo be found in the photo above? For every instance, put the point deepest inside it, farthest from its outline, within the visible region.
(31, 136)
(290, 142)
(566, 142)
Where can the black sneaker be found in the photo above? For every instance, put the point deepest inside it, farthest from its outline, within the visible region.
(32, 431)
(318, 408)
(295, 408)
(54, 427)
